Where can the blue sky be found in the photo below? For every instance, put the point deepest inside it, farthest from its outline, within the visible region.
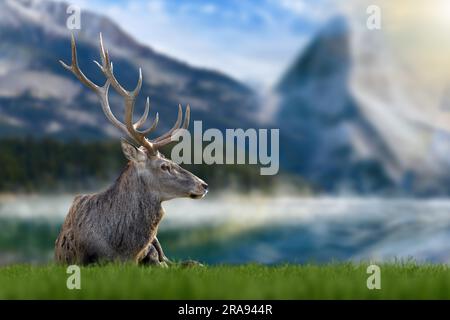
(251, 40)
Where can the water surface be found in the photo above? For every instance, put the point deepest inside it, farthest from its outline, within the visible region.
(234, 229)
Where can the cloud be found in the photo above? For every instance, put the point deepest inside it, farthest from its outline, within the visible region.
(299, 7)
(209, 8)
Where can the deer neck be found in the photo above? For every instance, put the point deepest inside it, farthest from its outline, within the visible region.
(140, 206)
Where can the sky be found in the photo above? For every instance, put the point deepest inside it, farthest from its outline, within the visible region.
(253, 41)
(415, 34)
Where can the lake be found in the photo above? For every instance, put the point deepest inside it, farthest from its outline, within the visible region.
(241, 229)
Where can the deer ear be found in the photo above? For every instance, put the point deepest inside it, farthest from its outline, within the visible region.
(131, 152)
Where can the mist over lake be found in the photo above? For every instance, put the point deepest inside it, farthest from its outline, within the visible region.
(242, 229)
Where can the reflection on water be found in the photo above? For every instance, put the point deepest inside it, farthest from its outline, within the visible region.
(232, 229)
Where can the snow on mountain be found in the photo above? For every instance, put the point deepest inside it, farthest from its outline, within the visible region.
(37, 93)
(362, 122)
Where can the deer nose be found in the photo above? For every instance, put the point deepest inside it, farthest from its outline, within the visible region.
(205, 186)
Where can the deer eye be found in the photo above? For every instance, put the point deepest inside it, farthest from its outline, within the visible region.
(165, 167)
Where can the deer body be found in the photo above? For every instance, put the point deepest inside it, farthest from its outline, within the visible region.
(118, 224)
(121, 223)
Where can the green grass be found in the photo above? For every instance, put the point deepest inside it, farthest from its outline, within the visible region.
(333, 281)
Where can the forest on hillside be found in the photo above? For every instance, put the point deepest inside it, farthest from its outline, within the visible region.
(47, 165)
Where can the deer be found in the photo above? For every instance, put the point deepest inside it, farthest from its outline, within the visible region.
(121, 223)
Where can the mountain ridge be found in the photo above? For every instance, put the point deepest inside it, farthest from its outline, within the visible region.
(34, 38)
(358, 126)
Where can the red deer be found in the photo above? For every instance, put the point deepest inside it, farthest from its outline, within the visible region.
(121, 223)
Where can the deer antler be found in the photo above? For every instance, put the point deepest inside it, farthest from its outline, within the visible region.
(129, 128)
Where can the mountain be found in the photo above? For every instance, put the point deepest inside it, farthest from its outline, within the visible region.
(40, 98)
(355, 120)
(352, 118)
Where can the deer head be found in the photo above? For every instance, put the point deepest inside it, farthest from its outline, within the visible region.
(162, 175)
